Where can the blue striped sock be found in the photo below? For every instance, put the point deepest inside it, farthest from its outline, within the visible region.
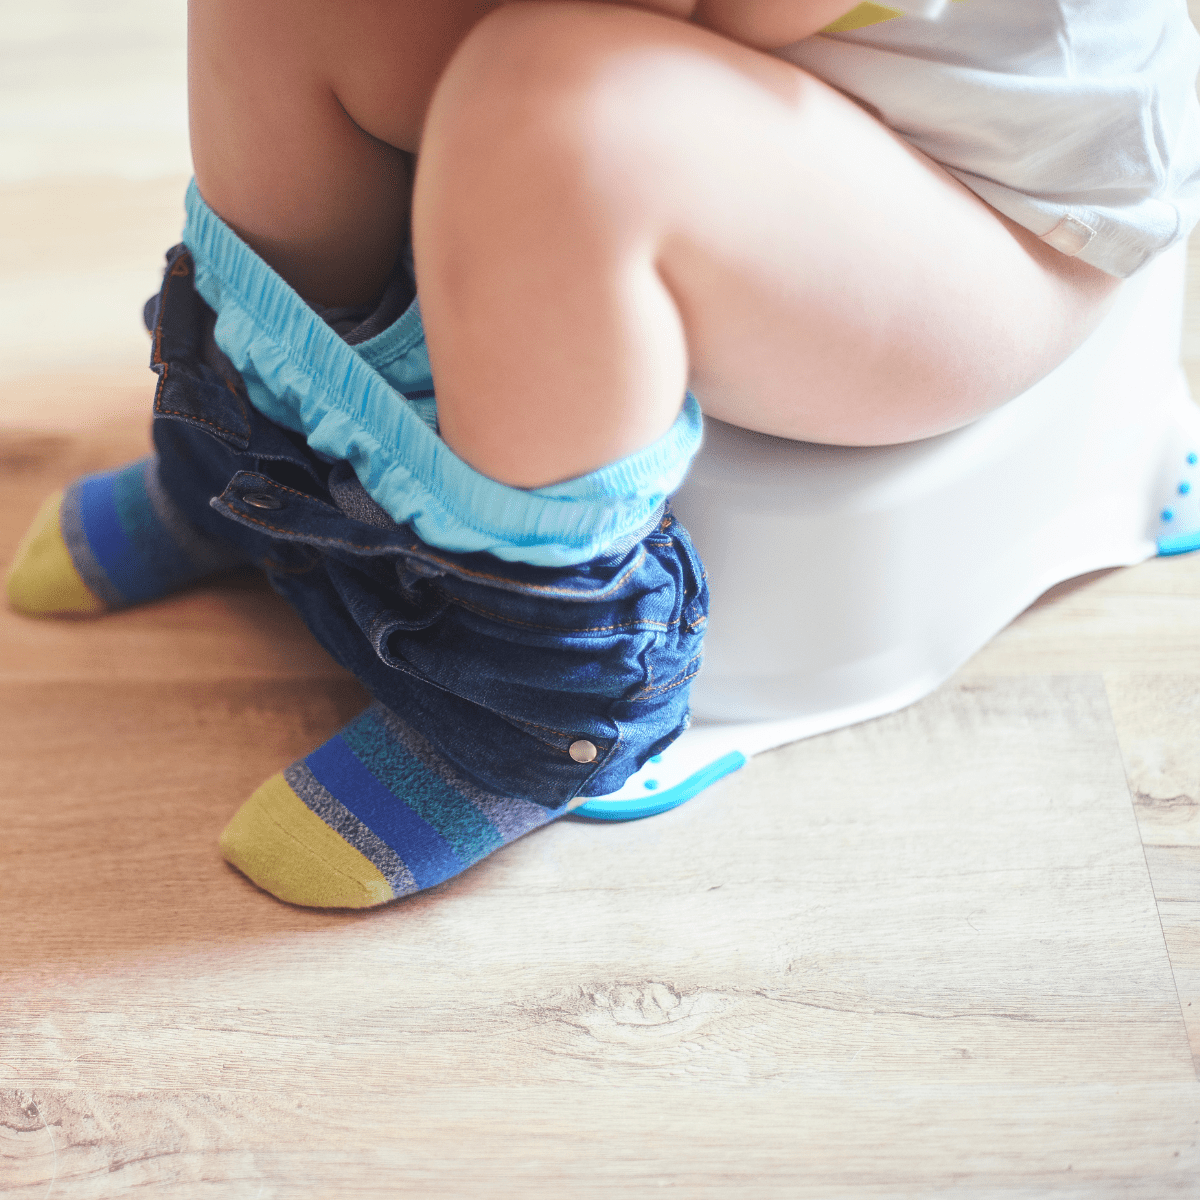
(373, 814)
(128, 540)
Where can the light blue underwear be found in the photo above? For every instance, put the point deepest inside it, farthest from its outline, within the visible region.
(372, 405)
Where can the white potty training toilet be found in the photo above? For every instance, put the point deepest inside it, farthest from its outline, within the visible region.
(848, 582)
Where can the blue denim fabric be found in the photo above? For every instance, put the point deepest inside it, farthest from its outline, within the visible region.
(500, 665)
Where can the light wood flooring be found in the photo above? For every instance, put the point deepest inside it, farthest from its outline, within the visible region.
(953, 953)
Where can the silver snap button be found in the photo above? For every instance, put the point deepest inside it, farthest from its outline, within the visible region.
(262, 499)
(583, 751)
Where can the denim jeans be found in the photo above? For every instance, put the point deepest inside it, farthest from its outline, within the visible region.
(501, 666)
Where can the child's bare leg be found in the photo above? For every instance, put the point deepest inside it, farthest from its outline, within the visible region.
(270, 82)
(611, 203)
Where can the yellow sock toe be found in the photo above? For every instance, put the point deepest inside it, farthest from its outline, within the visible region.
(284, 847)
(42, 580)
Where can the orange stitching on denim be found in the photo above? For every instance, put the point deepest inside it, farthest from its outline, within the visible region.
(312, 538)
(283, 487)
(158, 391)
(176, 272)
(157, 357)
(562, 733)
(484, 612)
(666, 687)
(179, 412)
(545, 588)
(245, 414)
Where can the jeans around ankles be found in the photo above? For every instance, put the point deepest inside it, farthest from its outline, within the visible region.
(501, 666)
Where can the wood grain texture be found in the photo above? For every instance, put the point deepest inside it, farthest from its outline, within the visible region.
(770, 1143)
(1136, 621)
(1157, 718)
(871, 964)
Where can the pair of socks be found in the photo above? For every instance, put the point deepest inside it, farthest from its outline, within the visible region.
(371, 815)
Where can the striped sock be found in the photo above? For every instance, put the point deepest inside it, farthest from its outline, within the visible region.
(109, 541)
(373, 814)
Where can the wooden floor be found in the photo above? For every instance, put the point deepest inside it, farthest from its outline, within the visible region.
(953, 953)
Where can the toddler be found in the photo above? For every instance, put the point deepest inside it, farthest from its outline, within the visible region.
(846, 224)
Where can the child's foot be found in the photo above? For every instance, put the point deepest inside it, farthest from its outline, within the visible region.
(109, 541)
(373, 814)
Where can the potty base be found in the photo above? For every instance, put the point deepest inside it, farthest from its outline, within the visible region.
(847, 583)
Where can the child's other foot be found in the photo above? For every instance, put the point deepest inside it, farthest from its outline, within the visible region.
(109, 541)
(371, 815)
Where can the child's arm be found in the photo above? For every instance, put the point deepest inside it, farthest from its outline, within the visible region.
(768, 24)
(763, 24)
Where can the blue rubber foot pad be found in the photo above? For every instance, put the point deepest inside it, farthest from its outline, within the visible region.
(1184, 543)
(659, 802)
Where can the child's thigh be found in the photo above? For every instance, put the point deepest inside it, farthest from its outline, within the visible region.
(840, 287)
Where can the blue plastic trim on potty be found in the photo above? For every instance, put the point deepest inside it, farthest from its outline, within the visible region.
(693, 785)
(1182, 543)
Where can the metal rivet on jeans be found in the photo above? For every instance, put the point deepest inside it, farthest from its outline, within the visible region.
(262, 499)
(583, 751)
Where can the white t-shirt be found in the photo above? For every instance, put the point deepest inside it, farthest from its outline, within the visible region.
(1077, 119)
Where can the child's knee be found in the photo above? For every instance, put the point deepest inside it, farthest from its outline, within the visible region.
(573, 99)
